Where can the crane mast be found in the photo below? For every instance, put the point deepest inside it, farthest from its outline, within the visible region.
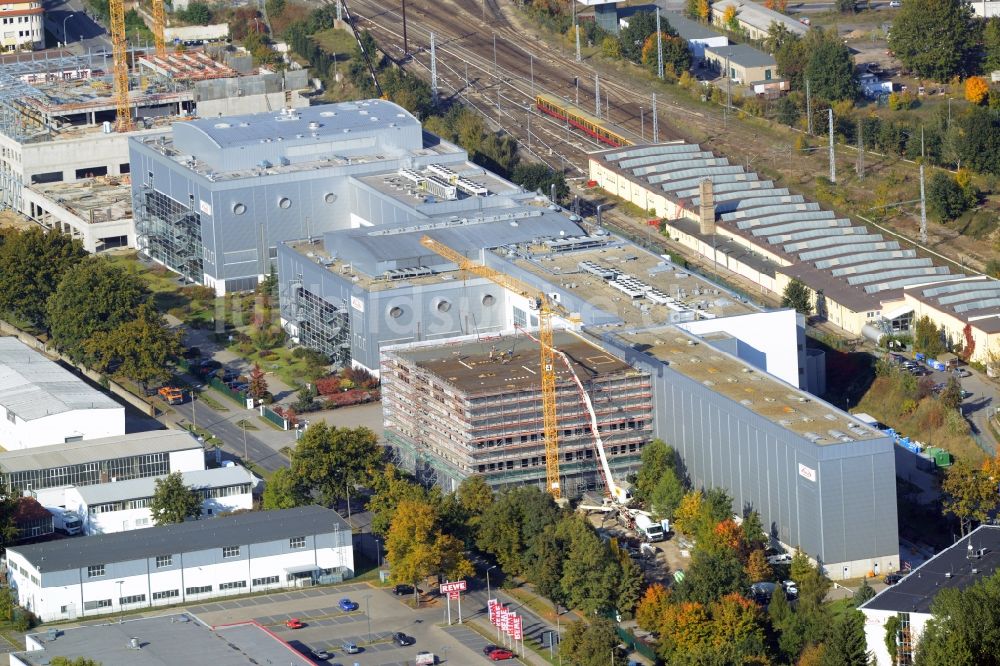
(550, 426)
(159, 24)
(123, 118)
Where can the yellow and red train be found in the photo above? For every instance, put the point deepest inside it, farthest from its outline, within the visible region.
(601, 130)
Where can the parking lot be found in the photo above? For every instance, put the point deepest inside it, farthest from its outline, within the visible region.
(370, 627)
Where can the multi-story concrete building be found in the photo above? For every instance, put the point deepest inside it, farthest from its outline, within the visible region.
(21, 25)
(105, 508)
(45, 404)
(472, 405)
(819, 478)
(970, 560)
(105, 460)
(194, 561)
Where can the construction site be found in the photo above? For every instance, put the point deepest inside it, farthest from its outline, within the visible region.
(96, 211)
(473, 405)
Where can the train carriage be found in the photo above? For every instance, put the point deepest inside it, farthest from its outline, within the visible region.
(601, 130)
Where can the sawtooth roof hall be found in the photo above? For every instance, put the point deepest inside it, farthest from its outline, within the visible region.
(869, 284)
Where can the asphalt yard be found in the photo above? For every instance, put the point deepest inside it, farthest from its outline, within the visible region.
(370, 627)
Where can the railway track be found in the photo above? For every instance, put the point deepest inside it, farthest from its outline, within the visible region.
(503, 88)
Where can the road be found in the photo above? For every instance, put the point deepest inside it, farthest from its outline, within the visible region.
(82, 33)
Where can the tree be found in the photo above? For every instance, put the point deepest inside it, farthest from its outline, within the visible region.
(198, 13)
(797, 296)
(976, 89)
(991, 44)
(711, 575)
(142, 349)
(94, 296)
(676, 54)
(510, 525)
(544, 560)
(391, 487)
(757, 568)
(927, 337)
(589, 575)
(640, 26)
(945, 199)
(963, 627)
(863, 593)
(811, 582)
(687, 517)
(951, 396)
(32, 263)
(649, 614)
(939, 53)
(536, 176)
(830, 69)
(173, 502)
(474, 496)
(667, 495)
(631, 583)
(258, 383)
(969, 345)
(657, 459)
(846, 644)
(969, 494)
(738, 630)
(791, 55)
(283, 491)
(331, 460)
(590, 643)
(753, 531)
(409, 545)
(729, 20)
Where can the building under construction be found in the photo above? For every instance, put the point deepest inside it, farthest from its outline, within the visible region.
(58, 110)
(473, 405)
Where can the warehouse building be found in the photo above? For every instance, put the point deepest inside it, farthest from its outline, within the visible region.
(193, 561)
(747, 65)
(972, 559)
(104, 460)
(819, 478)
(124, 505)
(472, 405)
(755, 20)
(163, 639)
(860, 281)
(46, 404)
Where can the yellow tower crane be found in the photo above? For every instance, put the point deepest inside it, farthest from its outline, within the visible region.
(546, 309)
(159, 23)
(123, 120)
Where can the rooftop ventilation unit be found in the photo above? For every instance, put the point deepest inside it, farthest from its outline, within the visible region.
(443, 172)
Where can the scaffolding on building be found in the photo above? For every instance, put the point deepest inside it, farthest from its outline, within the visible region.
(321, 325)
(169, 232)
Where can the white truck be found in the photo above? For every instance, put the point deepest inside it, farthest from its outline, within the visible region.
(650, 529)
(67, 522)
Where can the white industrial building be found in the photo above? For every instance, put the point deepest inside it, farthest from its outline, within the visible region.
(972, 559)
(105, 508)
(104, 460)
(193, 561)
(45, 404)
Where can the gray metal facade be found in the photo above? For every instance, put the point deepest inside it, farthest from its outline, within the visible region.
(848, 513)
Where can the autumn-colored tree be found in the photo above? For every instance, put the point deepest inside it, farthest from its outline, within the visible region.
(728, 534)
(970, 494)
(738, 628)
(812, 655)
(758, 570)
(409, 544)
(689, 512)
(652, 607)
(688, 626)
(729, 18)
(258, 383)
(704, 10)
(970, 342)
(976, 89)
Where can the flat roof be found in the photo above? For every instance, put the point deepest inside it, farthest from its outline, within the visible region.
(240, 529)
(741, 54)
(218, 477)
(761, 17)
(782, 404)
(504, 363)
(33, 387)
(165, 640)
(681, 295)
(971, 559)
(94, 450)
(688, 29)
(95, 200)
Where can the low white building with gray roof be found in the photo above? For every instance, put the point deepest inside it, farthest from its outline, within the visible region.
(105, 508)
(46, 404)
(175, 564)
(755, 19)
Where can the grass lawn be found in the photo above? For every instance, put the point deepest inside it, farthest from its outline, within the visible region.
(840, 607)
(335, 41)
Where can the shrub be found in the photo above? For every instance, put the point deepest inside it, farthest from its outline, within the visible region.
(976, 89)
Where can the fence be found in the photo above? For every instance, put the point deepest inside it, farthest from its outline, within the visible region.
(633, 642)
(236, 396)
(274, 417)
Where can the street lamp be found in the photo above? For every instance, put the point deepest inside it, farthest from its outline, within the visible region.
(368, 613)
(121, 605)
(65, 36)
(378, 546)
(488, 594)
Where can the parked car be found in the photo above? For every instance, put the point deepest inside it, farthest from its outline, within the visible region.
(892, 579)
(489, 648)
(319, 655)
(895, 4)
(500, 654)
(294, 623)
(961, 372)
(350, 648)
(425, 659)
(402, 639)
(403, 590)
(347, 605)
(791, 589)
